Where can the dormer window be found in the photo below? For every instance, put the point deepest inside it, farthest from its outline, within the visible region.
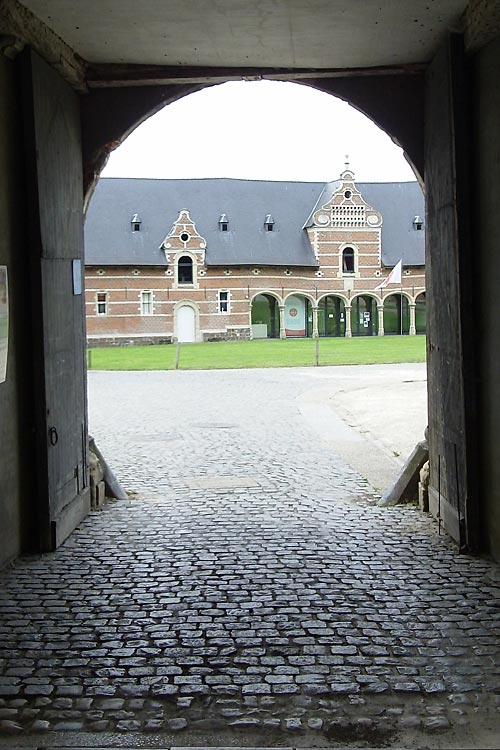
(136, 223)
(223, 223)
(269, 223)
(418, 224)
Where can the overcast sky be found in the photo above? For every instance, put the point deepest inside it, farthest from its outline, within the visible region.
(259, 130)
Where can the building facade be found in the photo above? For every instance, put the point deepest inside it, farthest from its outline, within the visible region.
(202, 260)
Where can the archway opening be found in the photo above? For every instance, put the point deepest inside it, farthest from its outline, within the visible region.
(265, 317)
(421, 314)
(331, 316)
(396, 315)
(298, 317)
(364, 318)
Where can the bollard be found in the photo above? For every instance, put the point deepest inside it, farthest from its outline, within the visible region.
(177, 355)
(89, 359)
(316, 352)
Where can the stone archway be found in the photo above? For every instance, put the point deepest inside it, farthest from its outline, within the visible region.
(364, 318)
(331, 316)
(421, 313)
(265, 317)
(396, 315)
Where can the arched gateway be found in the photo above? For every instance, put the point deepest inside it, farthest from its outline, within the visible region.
(93, 107)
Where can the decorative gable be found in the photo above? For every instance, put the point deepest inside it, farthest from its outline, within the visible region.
(346, 208)
(184, 238)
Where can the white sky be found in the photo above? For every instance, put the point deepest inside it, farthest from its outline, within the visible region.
(259, 130)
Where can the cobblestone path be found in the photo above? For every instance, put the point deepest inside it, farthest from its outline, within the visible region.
(250, 588)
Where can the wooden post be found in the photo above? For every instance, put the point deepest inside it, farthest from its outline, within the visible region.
(177, 355)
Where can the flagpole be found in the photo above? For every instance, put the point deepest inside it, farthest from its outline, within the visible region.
(401, 295)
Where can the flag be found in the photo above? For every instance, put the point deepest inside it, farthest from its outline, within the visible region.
(394, 276)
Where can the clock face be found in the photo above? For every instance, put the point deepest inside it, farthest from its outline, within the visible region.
(372, 219)
(323, 219)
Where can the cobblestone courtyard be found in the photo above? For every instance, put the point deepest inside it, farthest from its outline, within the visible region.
(250, 592)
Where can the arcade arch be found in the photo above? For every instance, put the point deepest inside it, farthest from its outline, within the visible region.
(396, 314)
(421, 313)
(265, 316)
(332, 316)
(364, 315)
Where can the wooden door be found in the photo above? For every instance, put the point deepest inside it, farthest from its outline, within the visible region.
(450, 271)
(55, 206)
(186, 324)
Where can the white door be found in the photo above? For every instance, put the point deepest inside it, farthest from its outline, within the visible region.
(186, 324)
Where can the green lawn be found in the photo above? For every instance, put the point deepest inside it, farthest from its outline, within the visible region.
(265, 353)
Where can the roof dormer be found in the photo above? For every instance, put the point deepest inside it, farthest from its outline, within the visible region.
(135, 223)
(269, 223)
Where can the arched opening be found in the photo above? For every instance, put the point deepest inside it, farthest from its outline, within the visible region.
(331, 316)
(265, 317)
(364, 318)
(396, 315)
(348, 260)
(298, 316)
(421, 314)
(185, 270)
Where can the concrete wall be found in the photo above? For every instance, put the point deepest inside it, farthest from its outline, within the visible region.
(14, 399)
(486, 233)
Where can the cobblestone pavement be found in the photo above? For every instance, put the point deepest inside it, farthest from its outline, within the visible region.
(250, 590)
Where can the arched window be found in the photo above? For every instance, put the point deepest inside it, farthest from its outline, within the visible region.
(348, 260)
(185, 270)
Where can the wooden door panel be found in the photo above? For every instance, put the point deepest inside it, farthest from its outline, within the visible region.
(52, 122)
(450, 358)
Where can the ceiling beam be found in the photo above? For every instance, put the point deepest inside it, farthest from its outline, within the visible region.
(101, 76)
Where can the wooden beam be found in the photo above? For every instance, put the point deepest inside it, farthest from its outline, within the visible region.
(118, 75)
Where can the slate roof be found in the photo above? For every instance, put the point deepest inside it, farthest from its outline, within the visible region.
(109, 239)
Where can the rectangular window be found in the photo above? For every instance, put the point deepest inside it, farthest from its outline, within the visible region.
(146, 303)
(102, 303)
(223, 302)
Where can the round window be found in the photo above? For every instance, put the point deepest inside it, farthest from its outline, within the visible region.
(184, 236)
(347, 194)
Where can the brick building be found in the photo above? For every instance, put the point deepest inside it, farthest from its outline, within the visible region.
(195, 260)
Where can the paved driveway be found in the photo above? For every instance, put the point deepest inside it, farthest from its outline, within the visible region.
(250, 591)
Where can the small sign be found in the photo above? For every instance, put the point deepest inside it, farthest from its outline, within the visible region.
(4, 322)
(77, 277)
